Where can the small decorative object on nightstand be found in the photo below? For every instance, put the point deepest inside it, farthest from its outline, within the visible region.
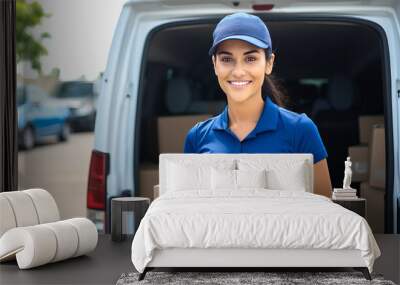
(357, 205)
(346, 192)
(348, 173)
(126, 214)
(347, 196)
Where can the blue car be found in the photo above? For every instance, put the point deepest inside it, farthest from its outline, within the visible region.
(39, 116)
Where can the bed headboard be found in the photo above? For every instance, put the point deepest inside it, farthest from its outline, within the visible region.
(273, 160)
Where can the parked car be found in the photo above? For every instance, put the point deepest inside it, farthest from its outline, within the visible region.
(79, 97)
(39, 117)
(352, 48)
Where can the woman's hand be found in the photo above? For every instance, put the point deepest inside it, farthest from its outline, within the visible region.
(322, 179)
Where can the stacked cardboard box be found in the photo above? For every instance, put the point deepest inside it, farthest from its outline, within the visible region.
(172, 131)
(377, 157)
(375, 211)
(369, 168)
(148, 177)
(359, 157)
(360, 154)
(365, 124)
(374, 190)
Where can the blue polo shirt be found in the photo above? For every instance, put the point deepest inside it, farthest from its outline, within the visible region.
(278, 130)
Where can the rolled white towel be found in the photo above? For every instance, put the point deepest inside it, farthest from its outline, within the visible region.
(23, 208)
(26, 208)
(7, 218)
(87, 234)
(33, 246)
(40, 244)
(45, 205)
(67, 239)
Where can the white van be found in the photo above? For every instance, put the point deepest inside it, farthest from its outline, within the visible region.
(337, 61)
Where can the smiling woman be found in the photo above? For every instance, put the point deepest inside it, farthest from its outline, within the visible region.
(240, 70)
(254, 120)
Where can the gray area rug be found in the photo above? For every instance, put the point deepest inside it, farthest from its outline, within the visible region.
(225, 278)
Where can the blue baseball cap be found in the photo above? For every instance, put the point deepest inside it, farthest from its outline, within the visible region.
(242, 26)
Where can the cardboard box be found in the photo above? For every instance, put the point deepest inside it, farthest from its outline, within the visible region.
(148, 177)
(375, 214)
(359, 155)
(377, 157)
(365, 124)
(172, 131)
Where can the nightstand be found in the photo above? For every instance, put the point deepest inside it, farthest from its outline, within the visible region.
(126, 214)
(356, 205)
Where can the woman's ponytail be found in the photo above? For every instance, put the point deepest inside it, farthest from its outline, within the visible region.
(274, 89)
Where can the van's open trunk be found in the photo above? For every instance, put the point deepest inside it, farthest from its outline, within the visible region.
(331, 69)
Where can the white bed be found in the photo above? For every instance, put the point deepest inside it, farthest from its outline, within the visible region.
(213, 224)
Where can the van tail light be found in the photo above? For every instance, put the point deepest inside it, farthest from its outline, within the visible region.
(262, 7)
(97, 181)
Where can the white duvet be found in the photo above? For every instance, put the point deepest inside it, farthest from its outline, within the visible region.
(252, 218)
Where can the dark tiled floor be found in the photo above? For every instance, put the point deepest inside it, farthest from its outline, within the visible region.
(110, 260)
(389, 262)
(102, 266)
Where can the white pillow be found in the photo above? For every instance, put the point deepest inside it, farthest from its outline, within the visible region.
(186, 174)
(293, 179)
(223, 179)
(187, 177)
(251, 178)
(236, 179)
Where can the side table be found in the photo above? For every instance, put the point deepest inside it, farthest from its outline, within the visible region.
(357, 205)
(126, 212)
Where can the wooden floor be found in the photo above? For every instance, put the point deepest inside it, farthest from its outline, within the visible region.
(111, 259)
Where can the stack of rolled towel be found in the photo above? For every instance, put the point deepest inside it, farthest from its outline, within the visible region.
(342, 194)
(32, 233)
